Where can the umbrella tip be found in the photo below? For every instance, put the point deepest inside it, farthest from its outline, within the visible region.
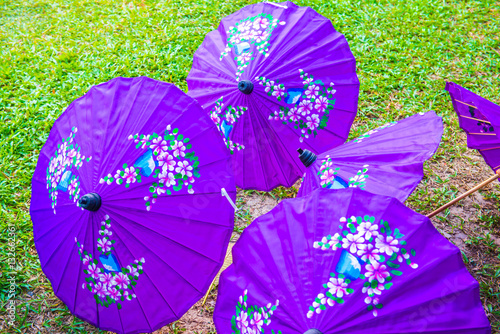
(245, 86)
(313, 331)
(307, 157)
(91, 202)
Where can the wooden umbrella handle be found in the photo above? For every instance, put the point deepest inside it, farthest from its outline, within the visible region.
(471, 191)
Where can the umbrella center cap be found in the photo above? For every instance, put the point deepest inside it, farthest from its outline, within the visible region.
(245, 86)
(307, 157)
(91, 202)
(313, 331)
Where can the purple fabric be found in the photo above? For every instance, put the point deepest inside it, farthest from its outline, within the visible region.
(310, 254)
(480, 119)
(305, 89)
(387, 160)
(157, 241)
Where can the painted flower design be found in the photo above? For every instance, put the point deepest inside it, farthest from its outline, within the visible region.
(327, 177)
(61, 175)
(104, 244)
(251, 319)
(387, 244)
(184, 168)
(371, 251)
(312, 122)
(166, 161)
(93, 271)
(230, 115)
(376, 271)
(100, 290)
(321, 104)
(107, 281)
(106, 278)
(179, 149)
(257, 321)
(353, 242)
(337, 287)
(167, 179)
(242, 321)
(121, 281)
(368, 230)
(312, 91)
(305, 107)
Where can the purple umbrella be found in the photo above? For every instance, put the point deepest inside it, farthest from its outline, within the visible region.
(347, 261)
(128, 218)
(480, 119)
(387, 160)
(275, 77)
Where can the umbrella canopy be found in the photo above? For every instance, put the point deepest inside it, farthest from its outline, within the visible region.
(347, 261)
(275, 77)
(387, 160)
(480, 119)
(128, 218)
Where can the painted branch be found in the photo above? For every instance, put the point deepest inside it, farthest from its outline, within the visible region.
(473, 190)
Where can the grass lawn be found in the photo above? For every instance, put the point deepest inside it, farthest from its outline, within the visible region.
(53, 51)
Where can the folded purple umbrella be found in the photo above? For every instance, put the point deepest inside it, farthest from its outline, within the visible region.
(480, 119)
(347, 261)
(275, 77)
(128, 218)
(387, 160)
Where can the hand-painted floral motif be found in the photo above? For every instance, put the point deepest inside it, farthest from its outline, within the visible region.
(225, 120)
(168, 158)
(336, 289)
(61, 169)
(105, 279)
(329, 178)
(370, 251)
(251, 320)
(373, 131)
(312, 104)
(254, 30)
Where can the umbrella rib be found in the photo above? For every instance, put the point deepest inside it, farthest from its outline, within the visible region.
(66, 265)
(466, 104)
(488, 149)
(116, 213)
(58, 246)
(481, 134)
(258, 118)
(144, 271)
(125, 137)
(137, 296)
(475, 119)
(79, 272)
(175, 242)
(54, 226)
(167, 215)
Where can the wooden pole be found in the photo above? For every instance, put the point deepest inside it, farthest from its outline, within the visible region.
(473, 190)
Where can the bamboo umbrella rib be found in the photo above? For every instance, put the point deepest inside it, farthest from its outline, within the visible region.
(475, 119)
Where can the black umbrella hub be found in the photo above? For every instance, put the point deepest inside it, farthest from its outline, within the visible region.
(90, 201)
(245, 86)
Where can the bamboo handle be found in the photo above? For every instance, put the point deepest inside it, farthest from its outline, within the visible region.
(473, 190)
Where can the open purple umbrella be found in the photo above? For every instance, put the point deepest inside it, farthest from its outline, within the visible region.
(346, 261)
(480, 119)
(128, 218)
(387, 160)
(275, 77)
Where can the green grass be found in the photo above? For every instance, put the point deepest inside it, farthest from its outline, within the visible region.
(53, 51)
